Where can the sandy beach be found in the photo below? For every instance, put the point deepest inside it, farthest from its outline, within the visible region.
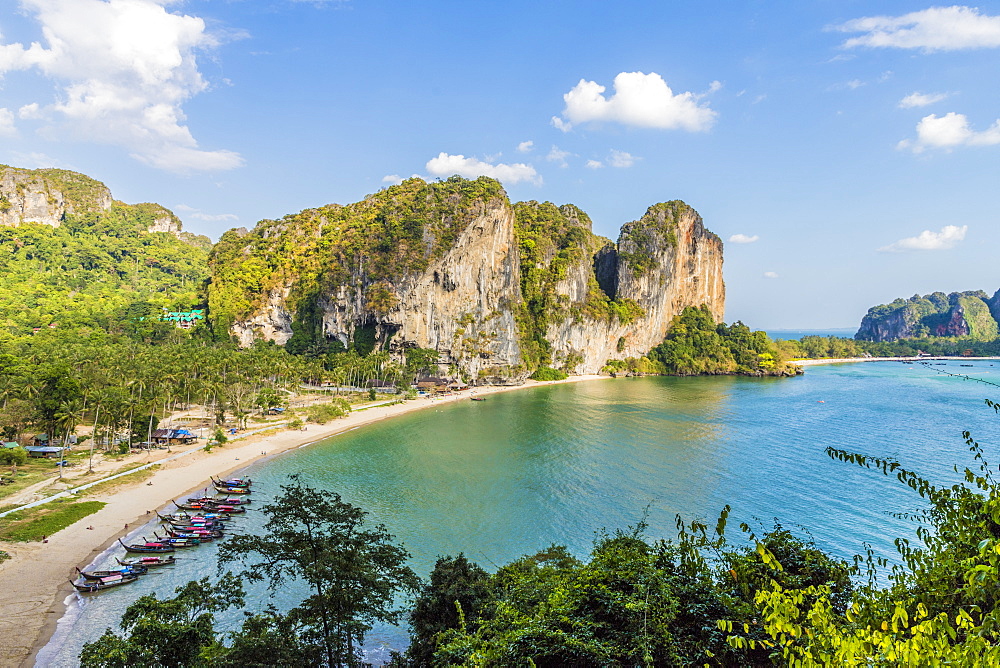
(34, 582)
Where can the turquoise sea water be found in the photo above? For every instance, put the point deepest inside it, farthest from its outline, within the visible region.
(522, 470)
(797, 334)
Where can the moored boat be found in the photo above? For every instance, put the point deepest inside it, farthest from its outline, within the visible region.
(146, 547)
(146, 562)
(104, 583)
(100, 575)
(223, 489)
(232, 482)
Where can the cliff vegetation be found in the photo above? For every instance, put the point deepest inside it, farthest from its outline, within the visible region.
(959, 314)
(98, 265)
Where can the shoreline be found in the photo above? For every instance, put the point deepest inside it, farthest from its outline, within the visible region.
(844, 360)
(34, 581)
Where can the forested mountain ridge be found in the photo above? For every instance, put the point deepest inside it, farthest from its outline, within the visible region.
(498, 289)
(74, 257)
(971, 314)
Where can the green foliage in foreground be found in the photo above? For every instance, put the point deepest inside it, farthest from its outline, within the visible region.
(33, 525)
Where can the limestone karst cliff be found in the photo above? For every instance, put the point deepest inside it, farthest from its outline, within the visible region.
(959, 314)
(497, 289)
(47, 196)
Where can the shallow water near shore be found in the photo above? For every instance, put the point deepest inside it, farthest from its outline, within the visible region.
(522, 470)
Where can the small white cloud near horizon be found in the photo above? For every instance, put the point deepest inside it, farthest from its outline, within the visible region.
(122, 73)
(640, 100)
(446, 164)
(948, 131)
(192, 212)
(933, 29)
(921, 100)
(594, 164)
(743, 239)
(947, 238)
(7, 127)
(525, 146)
(558, 156)
(621, 159)
(38, 160)
(392, 179)
(770, 274)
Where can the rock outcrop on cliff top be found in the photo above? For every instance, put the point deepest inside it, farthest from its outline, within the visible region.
(47, 196)
(497, 289)
(959, 314)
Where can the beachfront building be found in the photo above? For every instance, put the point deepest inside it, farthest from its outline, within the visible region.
(40, 451)
(173, 437)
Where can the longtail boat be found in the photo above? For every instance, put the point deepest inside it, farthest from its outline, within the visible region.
(146, 562)
(194, 532)
(177, 542)
(214, 500)
(104, 583)
(233, 501)
(142, 548)
(233, 482)
(224, 489)
(204, 518)
(100, 575)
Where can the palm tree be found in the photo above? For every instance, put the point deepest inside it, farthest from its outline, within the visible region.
(69, 415)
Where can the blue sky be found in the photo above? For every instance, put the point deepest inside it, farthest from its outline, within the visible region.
(847, 152)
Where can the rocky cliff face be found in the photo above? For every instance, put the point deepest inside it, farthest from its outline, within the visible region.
(959, 314)
(497, 289)
(662, 263)
(47, 196)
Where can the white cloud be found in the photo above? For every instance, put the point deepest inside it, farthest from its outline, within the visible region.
(933, 29)
(949, 131)
(124, 68)
(29, 111)
(927, 240)
(621, 159)
(770, 274)
(214, 217)
(743, 239)
(560, 124)
(558, 156)
(594, 164)
(640, 100)
(525, 146)
(446, 165)
(7, 128)
(192, 212)
(921, 100)
(393, 179)
(36, 160)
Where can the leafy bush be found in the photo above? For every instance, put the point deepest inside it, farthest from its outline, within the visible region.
(16, 456)
(323, 413)
(548, 373)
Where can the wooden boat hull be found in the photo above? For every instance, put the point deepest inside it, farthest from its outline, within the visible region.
(231, 490)
(100, 575)
(147, 562)
(95, 586)
(146, 549)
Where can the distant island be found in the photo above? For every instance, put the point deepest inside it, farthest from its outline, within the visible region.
(956, 324)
